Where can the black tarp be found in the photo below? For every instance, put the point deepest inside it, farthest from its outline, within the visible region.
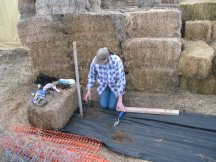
(159, 138)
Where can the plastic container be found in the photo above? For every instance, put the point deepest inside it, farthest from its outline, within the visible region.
(67, 81)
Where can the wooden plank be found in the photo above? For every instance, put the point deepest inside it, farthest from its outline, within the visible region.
(77, 77)
(151, 111)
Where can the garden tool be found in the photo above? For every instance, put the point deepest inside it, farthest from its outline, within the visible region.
(120, 115)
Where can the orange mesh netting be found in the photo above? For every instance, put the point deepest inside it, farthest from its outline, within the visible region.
(40, 145)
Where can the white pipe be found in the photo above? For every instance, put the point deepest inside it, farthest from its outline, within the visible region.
(77, 77)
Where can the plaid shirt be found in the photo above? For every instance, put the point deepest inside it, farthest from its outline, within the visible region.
(110, 74)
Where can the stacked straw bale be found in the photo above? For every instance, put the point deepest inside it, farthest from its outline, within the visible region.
(152, 63)
(196, 60)
(198, 9)
(50, 35)
(213, 45)
(147, 52)
(169, 1)
(152, 49)
(154, 23)
(214, 30)
(56, 113)
(48, 8)
(197, 67)
(27, 8)
(152, 79)
(202, 86)
(127, 3)
(198, 30)
(51, 42)
(92, 31)
(38, 29)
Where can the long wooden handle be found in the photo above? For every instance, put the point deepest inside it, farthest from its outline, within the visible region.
(152, 111)
(77, 78)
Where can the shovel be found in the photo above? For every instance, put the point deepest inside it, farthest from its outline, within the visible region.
(120, 115)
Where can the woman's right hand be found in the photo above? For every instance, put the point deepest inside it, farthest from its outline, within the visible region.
(87, 96)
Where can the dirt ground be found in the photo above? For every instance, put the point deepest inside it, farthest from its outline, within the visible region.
(16, 87)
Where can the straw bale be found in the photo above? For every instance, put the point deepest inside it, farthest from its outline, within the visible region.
(52, 58)
(56, 113)
(198, 9)
(202, 86)
(213, 45)
(26, 8)
(168, 5)
(214, 30)
(91, 34)
(38, 29)
(92, 31)
(196, 60)
(198, 30)
(154, 23)
(49, 8)
(169, 1)
(127, 3)
(159, 52)
(152, 79)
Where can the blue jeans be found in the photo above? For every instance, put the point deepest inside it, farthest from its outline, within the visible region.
(108, 100)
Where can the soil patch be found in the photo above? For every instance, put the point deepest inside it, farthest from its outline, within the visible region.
(121, 136)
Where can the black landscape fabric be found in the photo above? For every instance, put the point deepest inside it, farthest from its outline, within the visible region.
(158, 138)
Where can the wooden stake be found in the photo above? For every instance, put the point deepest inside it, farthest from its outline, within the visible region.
(152, 111)
(77, 77)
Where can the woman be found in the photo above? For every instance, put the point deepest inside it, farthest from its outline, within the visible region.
(109, 71)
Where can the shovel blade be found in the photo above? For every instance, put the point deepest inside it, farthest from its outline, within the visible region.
(116, 123)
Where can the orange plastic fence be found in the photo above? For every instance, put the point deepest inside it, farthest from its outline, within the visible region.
(52, 146)
(84, 143)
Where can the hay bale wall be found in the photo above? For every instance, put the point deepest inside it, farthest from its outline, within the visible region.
(198, 30)
(52, 42)
(56, 113)
(50, 34)
(198, 9)
(196, 60)
(154, 23)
